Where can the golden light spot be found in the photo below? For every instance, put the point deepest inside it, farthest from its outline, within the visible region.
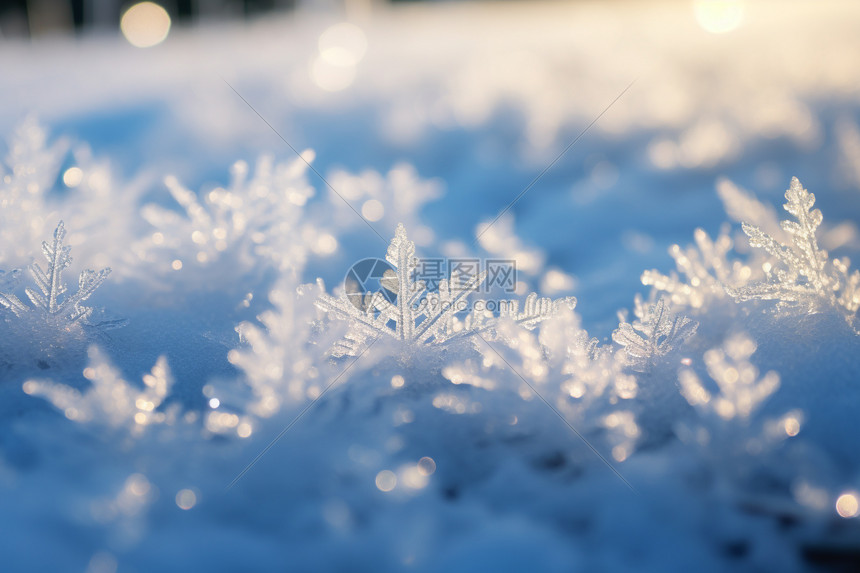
(244, 430)
(847, 505)
(138, 485)
(427, 466)
(140, 418)
(792, 426)
(186, 499)
(619, 453)
(214, 403)
(73, 177)
(145, 25)
(342, 44)
(719, 16)
(157, 238)
(397, 381)
(176, 265)
(372, 210)
(386, 480)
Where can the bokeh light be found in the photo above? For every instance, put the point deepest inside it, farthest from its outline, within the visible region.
(847, 505)
(719, 16)
(145, 25)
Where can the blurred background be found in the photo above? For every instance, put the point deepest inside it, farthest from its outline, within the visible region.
(33, 18)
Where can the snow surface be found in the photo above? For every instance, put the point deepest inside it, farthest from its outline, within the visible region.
(216, 431)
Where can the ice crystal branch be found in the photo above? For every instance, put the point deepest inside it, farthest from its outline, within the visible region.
(741, 390)
(110, 400)
(801, 273)
(417, 316)
(654, 334)
(47, 299)
(703, 271)
(257, 217)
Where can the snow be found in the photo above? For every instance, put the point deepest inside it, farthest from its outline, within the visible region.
(220, 429)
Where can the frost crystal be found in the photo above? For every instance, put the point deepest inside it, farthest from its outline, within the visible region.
(741, 389)
(704, 271)
(27, 174)
(654, 334)
(256, 216)
(48, 301)
(277, 366)
(110, 400)
(802, 274)
(420, 317)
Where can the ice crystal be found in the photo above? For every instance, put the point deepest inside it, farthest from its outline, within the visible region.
(741, 390)
(255, 218)
(703, 271)
(653, 334)
(397, 196)
(110, 400)
(277, 366)
(48, 300)
(801, 274)
(417, 316)
(590, 371)
(28, 173)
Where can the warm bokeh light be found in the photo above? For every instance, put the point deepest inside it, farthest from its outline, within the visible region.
(342, 44)
(719, 16)
(73, 177)
(847, 505)
(186, 499)
(386, 480)
(145, 25)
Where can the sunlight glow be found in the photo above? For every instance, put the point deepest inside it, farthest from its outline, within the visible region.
(186, 499)
(386, 480)
(847, 505)
(719, 16)
(73, 177)
(145, 25)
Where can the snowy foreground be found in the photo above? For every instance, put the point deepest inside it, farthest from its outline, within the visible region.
(212, 396)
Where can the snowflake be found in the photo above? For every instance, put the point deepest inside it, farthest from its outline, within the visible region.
(29, 173)
(397, 196)
(277, 368)
(256, 218)
(705, 269)
(48, 301)
(655, 333)
(420, 317)
(590, 371)
(741, 390)
(110, 400)
(802, 274)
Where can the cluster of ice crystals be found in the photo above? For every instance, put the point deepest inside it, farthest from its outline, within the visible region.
(274, 359)
(741, 390)
(257, 218)
(653, 334)
(801, 274)
(30, 171)
(589, 371)
(110, 399)
(396, 196)
(703, 271)
(420, 317)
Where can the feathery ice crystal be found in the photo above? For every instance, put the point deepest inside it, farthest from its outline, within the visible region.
(741, 389)
(255, 219)
(110, 400)
(48, 301)
(802, 274)
(655, 333)
(421, 317)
